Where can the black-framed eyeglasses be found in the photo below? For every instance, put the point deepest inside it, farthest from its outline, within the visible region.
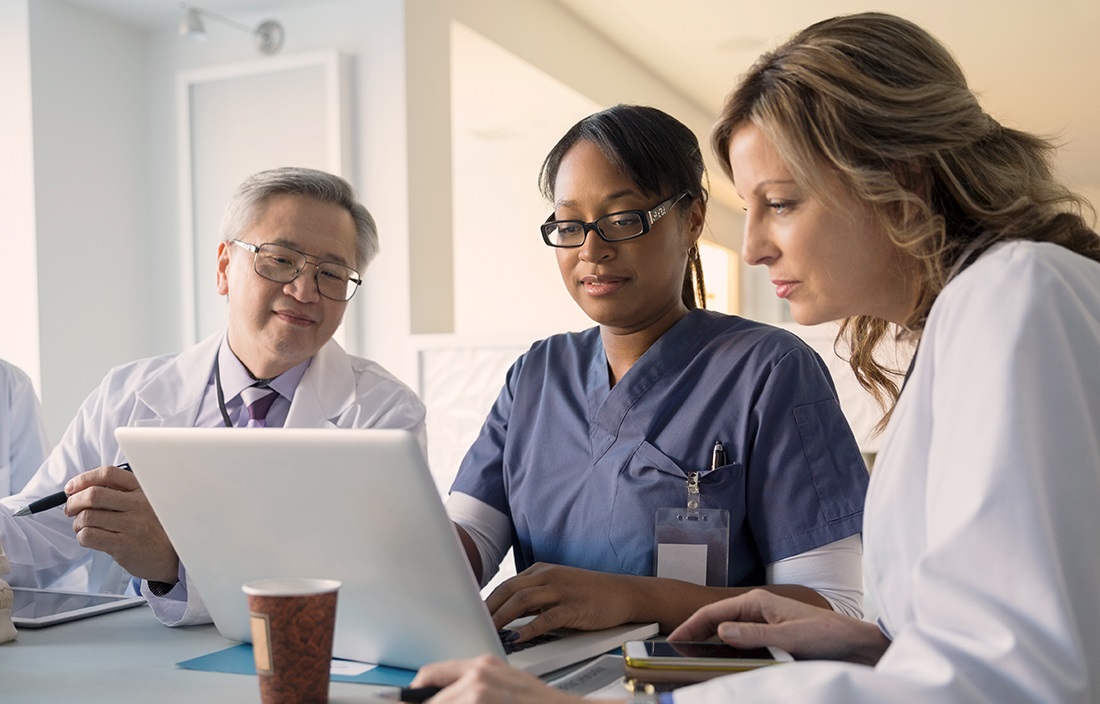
(614, 227)
(282, 265)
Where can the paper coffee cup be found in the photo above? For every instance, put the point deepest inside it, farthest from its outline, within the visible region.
(292, 623)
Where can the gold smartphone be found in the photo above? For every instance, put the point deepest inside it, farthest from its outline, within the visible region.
(709, 656)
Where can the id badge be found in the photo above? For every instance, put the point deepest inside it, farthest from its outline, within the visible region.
(693, 545)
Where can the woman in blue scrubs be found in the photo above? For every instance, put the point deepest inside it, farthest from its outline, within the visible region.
(594, 432)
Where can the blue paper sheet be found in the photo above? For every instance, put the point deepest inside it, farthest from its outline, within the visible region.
(238, 660)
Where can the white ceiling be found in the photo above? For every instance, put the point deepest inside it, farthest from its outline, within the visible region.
(1036, 63)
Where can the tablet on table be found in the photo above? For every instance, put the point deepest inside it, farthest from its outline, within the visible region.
(36, 608)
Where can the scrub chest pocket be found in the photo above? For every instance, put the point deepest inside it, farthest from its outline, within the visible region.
(652, 481)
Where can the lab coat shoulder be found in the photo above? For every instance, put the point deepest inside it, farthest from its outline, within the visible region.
(1013, 288)
(23, 440)
(159, 390)
(344, 391)
(1011, 342)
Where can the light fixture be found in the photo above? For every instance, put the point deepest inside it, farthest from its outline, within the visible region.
(269, 34)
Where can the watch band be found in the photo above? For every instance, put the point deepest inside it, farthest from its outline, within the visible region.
(160, 588)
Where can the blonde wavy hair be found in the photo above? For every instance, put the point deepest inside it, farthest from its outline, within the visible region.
(878, 102)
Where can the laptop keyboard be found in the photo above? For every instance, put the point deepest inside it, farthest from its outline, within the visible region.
(510, 648)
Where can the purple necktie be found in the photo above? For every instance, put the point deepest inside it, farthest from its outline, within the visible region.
(258, 402)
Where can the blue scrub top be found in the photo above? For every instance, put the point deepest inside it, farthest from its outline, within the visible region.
(581, 468)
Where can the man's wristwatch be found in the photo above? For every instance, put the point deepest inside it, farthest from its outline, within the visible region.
(159, 588)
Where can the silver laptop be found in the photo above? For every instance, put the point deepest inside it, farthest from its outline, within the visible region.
(359, 506)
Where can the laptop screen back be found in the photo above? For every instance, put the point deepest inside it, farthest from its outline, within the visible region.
(359, 506)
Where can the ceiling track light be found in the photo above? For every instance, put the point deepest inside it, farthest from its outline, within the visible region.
(269, 34)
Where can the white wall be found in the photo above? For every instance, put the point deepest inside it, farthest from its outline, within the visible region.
(532, 30)
(89, 127)
(19, 285)
(506, 115)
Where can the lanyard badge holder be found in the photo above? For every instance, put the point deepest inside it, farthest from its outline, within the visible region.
(693, 543)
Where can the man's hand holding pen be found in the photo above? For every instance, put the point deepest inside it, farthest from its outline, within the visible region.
(111, 514)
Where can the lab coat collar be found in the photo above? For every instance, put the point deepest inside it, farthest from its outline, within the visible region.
(325, 392)
(174, 394)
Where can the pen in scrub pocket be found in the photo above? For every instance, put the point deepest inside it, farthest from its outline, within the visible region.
(717, 456)
(53, 500)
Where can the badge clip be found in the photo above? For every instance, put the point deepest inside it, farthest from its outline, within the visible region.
(693, 491)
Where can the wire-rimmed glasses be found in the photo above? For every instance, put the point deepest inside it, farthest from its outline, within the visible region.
(282, 265)
(614, 227)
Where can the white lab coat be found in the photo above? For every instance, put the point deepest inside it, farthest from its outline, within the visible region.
(23, 441)
(982, 521)
(337, 391)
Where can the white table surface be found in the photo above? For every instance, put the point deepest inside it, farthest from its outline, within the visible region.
(128, 656)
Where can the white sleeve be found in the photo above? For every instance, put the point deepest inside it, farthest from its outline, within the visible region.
(42, 548)
(490, 530)
(180, 607)
(29, 445)
(834, 571)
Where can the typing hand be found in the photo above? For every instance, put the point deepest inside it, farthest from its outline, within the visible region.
(487, 680)
(561, 597)
(760, 618)
(111, 514)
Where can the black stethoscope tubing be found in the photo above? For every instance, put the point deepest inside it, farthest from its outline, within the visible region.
(221, 394)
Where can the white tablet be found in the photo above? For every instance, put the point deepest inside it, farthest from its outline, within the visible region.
(35, 608)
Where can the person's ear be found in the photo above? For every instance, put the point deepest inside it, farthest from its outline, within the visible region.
(223, 268)
(694, 221)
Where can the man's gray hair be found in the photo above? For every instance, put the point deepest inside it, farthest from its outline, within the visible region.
(258, 188)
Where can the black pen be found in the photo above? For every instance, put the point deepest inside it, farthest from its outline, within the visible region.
(53, 500)
(717, 456)
(412, 695)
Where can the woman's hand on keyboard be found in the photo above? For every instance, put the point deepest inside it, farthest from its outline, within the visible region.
(562, 597)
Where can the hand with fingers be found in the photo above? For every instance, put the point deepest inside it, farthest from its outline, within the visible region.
(561, 597)
(759, 618)
(111, 514)
(488, 680)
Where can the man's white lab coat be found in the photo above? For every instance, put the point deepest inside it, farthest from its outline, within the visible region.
(337, 391)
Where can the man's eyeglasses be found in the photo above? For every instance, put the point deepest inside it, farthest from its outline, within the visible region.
(616, 227)
(282, 265)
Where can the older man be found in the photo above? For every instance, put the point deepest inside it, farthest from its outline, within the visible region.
(294, 244)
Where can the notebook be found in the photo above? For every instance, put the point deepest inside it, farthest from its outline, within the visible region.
(359, 506)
